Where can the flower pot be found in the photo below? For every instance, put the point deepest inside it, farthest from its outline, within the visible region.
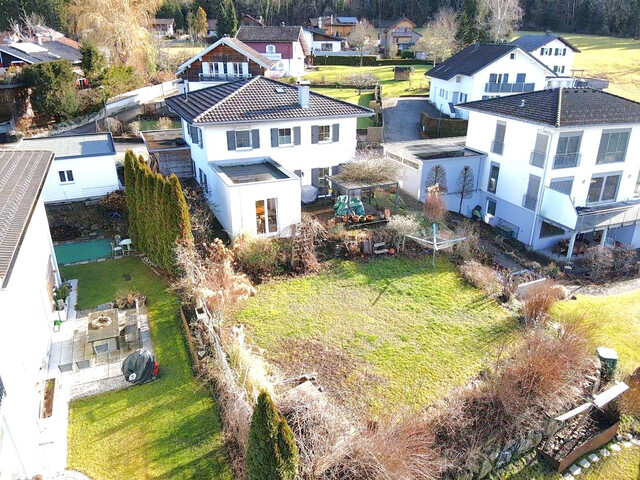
(355, 218)
(345, 218)
(363, 219)
(369, 218)
(392, 251)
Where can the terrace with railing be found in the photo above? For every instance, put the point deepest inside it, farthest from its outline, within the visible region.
(516, 87)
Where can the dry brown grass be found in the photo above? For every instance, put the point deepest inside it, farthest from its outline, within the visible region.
(369, 168)
(434, 208)
(482, 277)
(537, 302)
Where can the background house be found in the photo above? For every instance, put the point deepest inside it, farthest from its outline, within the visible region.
(250, 21)
(322, 42)
(28, 275)
(84, 166)
(212, 27)
(400, 33)
(334, 25)
(257, 145)
(40, 51)
(482, 71)
(284, 44)
(225, 60)
(163, 27)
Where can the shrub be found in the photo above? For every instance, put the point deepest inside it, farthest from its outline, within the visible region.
(625, 259)
(53, 89)
(443, 127)
(134, 128)
(61, 293)
(482, 277)
(165, 123)
(600, 262)
(251, 370)
(468, 249)
(537, 302)
(385, 199)
(630, 401)
(434, 208)
(89, 101)
(271, 451)
(369, 168)
(401, 225)
(113, 125)
(114, 201)
(201, 216)
(258, 257)
(407, 55)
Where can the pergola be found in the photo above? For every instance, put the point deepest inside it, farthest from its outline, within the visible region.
(354, 189)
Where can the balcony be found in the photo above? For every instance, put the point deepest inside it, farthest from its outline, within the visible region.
(529, 202)
(273, 56)
(566, 160)
(497, 146)
(517, 87)
(537, 158)
(219, 77)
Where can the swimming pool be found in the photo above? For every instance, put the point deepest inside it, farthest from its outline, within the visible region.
(82, 251)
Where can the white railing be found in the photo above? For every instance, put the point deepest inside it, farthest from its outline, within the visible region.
(99, 191)
(273, 56)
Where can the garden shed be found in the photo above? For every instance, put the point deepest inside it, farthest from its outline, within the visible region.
(401, 73)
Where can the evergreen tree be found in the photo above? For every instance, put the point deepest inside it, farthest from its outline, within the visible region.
(201, 26)
(93, 62)
(227, 19)
(158, 242)
(172, 9)
(140, 208)
(130, 172)
(469, 31)
(271, 451)
(53, 88)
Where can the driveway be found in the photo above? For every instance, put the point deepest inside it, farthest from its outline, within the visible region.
(402, 117)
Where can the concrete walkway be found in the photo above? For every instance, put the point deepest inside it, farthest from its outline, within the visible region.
(402, 117)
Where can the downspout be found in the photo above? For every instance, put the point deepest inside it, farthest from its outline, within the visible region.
(544, 177)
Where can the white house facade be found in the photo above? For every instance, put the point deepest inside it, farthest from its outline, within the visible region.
(561, 164)
(28, 274)
(553, 50)
(483, 71)
(260, 147)
(84, 166)
(321, 42)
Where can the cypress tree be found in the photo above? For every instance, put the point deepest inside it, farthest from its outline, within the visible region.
(141, 219)
(157, 219)
(271, 451)
(130, 165)
(168, 224)
(182, 219)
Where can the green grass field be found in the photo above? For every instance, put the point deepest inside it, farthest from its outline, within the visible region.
(383, 334)
(350, 95)
(166, 429)
(617, 59)
(417, 85)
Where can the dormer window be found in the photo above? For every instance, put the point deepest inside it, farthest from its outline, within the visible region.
(512, 56)
(271, 49)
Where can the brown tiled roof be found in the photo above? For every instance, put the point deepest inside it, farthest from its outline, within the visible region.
(22, 175)
(257, 100)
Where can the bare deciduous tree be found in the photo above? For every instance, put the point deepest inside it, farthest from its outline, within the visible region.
(362, 80)
(363, 38)
(465, 184)
(438, 175)
(439, 36)
(502, 17)
(124, 33)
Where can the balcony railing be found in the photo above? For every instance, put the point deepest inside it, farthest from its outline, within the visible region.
(529, 202)
(497, 146)
(567, 160)
(537, 158)
(516, 87)
(273, 56)
(215, 77)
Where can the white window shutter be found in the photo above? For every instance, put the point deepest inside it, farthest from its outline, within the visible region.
(220, 68)
(205, 68)
(245, 69)
(230, 68)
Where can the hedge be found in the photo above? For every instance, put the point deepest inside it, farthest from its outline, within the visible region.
(449, 127)
(367, 61)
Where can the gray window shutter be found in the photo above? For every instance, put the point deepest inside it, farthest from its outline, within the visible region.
(335, 132)
(255, 138)
(231, 140)
(274, 137)
(314, 177)
(314, 133)
(296, 135)
(199, 137)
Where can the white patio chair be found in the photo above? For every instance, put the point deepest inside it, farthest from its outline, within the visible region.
(116, 251)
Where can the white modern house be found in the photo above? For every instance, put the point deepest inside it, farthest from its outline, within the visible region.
(28, 275)
(321, 42)
(482, 71)
(84, 166)
(261, 146)
(561, 164)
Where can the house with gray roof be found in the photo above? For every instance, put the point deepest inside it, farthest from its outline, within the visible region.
(28, 275)
(553, 50)
(286, 45)
(561, 170)
(482, 71)
(259, 147)
(29, 53)
(84, 166)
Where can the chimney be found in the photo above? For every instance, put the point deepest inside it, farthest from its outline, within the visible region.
(282, 24)
(39, 39)
(548, 33)
(303, 96)
(522, 103)
(186, 89)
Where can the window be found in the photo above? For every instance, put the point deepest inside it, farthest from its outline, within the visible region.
(512, 56)
(194, 133)
(458, 78)
(562, 185)
(498, 78)
(564, 52)
(319, 180)
(493, 178)
(324, 133)
(539, 153)
(491, 207)
(270, 49)
(284, 137)
(542, 51)
(530, 199)
(521, 77)
(326, 47)
(266, 220)
(613, 147)
(203, 180)
(243, 139)
(66, 176)
(548, 230)
(557, 52)
(568, 151)
(497, 146)
(603, 188)
(463, 97)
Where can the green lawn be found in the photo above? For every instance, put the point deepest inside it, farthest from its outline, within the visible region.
(417, 85)
(617, 59)
(167, 429)
(153, 124)
(387, 333)
(350, 95)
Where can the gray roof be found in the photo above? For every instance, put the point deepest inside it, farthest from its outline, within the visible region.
(73, 146)
(321, 32)
(55, 50)
(473, 59)
(562, 107)
(347, 20)
(248, 33)
(257, 100)
(531, 43)
(22, 176)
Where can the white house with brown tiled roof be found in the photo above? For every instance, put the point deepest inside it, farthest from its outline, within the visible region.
(261, 146)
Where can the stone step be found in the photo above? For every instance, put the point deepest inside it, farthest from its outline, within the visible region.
(593, 458)
(584, 463)
(575, 470)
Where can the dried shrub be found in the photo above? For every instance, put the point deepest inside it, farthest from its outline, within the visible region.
(482, 277)
(134, 128)
(303, 241)
(599, 262)
(202, 217)
(401, 225)
(114, 201)
(164, 123)
(127, 299)
(113, 125)
(258, 257)
(469, 249)
(369, 168)
(251, 370)
(537, 301)
(630, 401)
(208, 275)
(434, 208)
(625, 260)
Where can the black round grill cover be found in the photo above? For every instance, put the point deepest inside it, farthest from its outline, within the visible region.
(138, 367)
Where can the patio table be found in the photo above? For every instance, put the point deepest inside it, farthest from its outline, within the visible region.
(126, 244)
(102, 325)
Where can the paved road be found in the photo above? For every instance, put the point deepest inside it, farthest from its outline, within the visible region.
(402, 117)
